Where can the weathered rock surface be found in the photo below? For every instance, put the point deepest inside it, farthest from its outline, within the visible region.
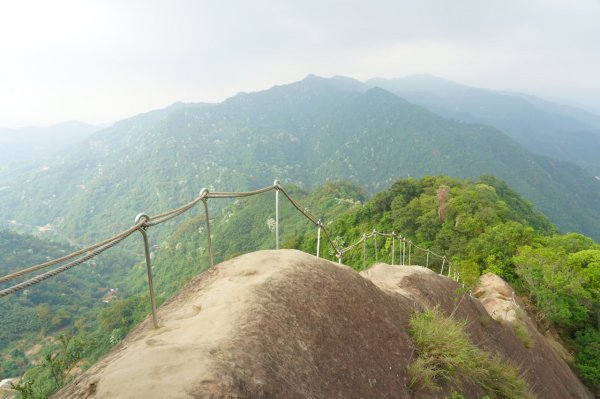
(285, 324)
(498, 298)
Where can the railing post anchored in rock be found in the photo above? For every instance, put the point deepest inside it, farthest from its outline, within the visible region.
(364, 251)
(393, 246)
(403, 249)
(375, 243)
(276, 184)
(204, 197)
(319, 237)
(142, 229)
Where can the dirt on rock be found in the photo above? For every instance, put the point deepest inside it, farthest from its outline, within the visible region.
(285, 324)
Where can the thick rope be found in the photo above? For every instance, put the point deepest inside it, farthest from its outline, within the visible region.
(300, 208)
(70, 256)
(351, 247)
(38, 279)
(153, 221)
(156, 220)
(225, 194)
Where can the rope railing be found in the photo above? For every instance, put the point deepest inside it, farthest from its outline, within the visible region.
(52, 273)
(156, 220)
(143, 222)
(224, 194)
(64, 258)
(374, 234)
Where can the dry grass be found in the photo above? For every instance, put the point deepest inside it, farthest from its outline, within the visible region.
(445, 356)
(523, 334)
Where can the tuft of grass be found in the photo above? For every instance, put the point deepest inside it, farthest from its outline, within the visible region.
(456, 395)
(443, 349)
(523, 334)
(446, 355)
(485, 320)
(500, 379)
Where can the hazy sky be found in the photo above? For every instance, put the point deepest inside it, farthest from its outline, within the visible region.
(99, 61)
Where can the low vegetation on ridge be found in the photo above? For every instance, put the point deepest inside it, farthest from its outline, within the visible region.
(445, 355)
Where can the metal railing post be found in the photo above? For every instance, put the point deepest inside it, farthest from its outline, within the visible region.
(443, 262)
(203, 194)
(142, 230)
(403, 250)
(319, 238)
(375, 236)
(449, 268)
(409, 251)
(393, 246)
(427, 262)
(364, 250)
(276, 184)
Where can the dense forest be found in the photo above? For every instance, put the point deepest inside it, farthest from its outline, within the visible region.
(481, 225)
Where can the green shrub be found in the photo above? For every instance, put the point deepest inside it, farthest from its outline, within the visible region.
(43, 380)
(588, 342)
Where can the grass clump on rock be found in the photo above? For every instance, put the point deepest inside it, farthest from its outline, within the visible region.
(445, 356)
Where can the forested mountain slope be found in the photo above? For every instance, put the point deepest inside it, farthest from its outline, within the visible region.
(306, 133)
(70, 300)
(545, 128)
(23, 146)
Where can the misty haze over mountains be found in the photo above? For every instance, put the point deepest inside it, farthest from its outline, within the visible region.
(24, 146)
(313, 131)
(545, 128)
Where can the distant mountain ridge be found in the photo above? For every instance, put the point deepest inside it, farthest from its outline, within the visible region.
(562, 132)
(22, 146)
(307, 132)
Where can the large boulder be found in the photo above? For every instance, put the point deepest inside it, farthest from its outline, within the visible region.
(498, 298)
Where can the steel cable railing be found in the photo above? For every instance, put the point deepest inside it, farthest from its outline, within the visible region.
(143, 222)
